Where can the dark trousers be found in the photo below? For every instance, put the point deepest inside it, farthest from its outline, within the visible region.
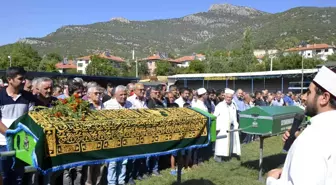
(136, 168)
(11, 176)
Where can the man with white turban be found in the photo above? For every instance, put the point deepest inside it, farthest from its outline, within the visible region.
(227, 143)
(311, 160)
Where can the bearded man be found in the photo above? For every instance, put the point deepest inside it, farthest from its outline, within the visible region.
(311, 160)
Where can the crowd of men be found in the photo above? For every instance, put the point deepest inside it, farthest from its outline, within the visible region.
(20, 95)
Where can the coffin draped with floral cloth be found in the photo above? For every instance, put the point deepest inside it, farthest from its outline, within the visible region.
(70, 135)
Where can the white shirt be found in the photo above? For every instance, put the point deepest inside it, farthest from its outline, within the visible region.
(312, 158)
(180, 101)
(200, 104)
(114, 104)
(136, 102)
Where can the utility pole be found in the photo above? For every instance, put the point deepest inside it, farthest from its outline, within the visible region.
(302, 72)
(136, 68)
(10, 61)
(136, 63)
(271, 68)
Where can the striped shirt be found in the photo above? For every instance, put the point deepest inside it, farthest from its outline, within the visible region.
(13, 108)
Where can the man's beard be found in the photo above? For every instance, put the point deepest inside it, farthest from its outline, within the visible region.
(311, 108)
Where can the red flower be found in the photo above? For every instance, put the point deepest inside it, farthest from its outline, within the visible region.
(76, 96)
(58, 114)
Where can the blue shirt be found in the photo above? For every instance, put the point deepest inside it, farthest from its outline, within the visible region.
(240, 104)
(288, 100)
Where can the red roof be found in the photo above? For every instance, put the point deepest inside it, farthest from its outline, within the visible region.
(310, 47)
(69, 65)
(188, 58)
(185, 58)
(111, 57)
(153, 57)
(85, 57)
(260, 56)
(102, 55)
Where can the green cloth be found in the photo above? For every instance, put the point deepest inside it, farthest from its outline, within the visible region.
(112, 135)
(213, 132)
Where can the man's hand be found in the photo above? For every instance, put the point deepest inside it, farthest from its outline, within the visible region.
(286, 135)
(275, 173)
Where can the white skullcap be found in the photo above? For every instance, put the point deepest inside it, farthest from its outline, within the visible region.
(229, 91)
(326, 79)
(201, 91)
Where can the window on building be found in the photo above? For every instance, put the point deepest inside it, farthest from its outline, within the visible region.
(86, 61)
(80, 64)
(326, 50)
(318, 51)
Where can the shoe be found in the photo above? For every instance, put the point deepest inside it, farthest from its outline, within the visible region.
(238, 158)
(145, 176)
(173, 172)
(130, 182)
(156, 174)
(218, 159)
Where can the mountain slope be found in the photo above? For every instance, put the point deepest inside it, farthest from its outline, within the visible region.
(221, 27)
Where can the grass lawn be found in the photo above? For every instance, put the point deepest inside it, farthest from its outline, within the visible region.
(234, 172)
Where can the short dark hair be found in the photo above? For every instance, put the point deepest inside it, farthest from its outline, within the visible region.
(332, 100)
(172, 86)
(186, 105)
(257, 92)
(74, 86)
(157, 88)
(211, 91)
(12, 72)
(184, 89)
(110, 85)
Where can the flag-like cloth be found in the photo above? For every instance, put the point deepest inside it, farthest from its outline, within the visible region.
(109, 135)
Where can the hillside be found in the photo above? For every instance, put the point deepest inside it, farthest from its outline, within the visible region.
(221, 27)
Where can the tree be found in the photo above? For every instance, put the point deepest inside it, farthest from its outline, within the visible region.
(21, 55)
(47, 65)
(196, 66)
(287, 43)
(72, 71)
(130, 69)
(102, 67)
(54, 56)
(164, 68)
(332, 57)
(247, 61)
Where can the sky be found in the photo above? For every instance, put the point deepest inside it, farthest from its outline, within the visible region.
(37, 18)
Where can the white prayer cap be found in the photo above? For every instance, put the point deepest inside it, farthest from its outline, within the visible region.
(201, 91)
(326, 79)
(229, 91)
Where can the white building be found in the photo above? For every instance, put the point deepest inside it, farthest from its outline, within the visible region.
(260, 53)
(185, 61)
(180, 62)
(321, 51)
(80, 64)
